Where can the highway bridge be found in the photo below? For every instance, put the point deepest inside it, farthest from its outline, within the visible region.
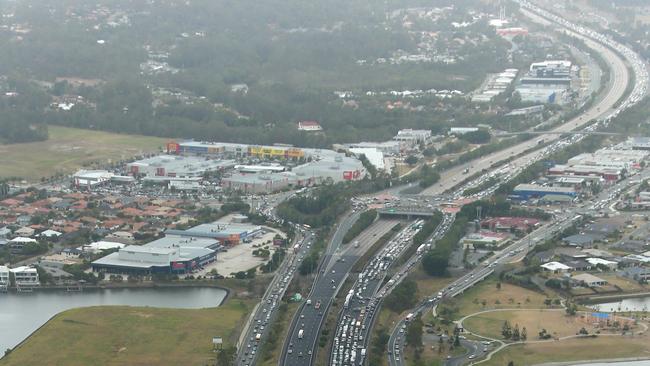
(406, 212)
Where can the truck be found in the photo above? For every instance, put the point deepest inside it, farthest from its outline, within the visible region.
(409, 317)
(421, 249)
(346, 304)
(296, 248)
(301, 332)
(317, 306)
(258, 336)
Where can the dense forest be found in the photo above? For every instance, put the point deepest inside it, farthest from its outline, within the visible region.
(291, 55)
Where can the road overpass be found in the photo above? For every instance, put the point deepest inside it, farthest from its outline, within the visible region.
(602, 107)
(406, 212)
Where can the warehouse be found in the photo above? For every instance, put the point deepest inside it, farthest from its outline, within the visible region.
(226, 233)
(173, 166)
(528, 191)
(91, 178)
(386, 147)
(607, 174)
(551, 68)
(171, 254)
(331, 170)
(256, 183)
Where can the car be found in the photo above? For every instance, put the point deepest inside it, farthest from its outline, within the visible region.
(471, 357)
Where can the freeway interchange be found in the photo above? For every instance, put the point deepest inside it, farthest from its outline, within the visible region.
(362, 303)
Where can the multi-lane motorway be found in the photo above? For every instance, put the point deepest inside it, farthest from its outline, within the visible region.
(256, 330)
(338, 261)
(603, 107)
(300, 344)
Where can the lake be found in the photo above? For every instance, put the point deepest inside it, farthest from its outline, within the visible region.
(21, 314)
(633, 304)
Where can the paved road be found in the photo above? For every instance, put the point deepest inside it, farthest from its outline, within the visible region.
(358, 311)
(266, 311)
(335, 267)
(620, 79)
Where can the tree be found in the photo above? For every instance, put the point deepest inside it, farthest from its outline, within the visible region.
(435, 263)
(524, 334)
(506, 330)
(403, 297)
(515, 333)
(411, 160)
(414, 332)
(548, 302)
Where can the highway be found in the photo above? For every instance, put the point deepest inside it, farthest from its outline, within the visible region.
(604, 109)
(299, 347)
(397, 339)
(619, 77)
(265, 312)
(355, 319)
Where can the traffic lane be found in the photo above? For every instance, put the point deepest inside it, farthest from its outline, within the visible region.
(616, 90)
(323, 290)
(367, 238)
(275, 289)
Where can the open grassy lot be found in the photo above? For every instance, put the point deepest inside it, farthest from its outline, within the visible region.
(508, 296)
(625, 284)
(556, 323)
(68, 149)
(122, 335)
(603, 347)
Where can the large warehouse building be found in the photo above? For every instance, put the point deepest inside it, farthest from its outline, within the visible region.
(530, 191)
(174, 166)
(226, 233)
(171, 254)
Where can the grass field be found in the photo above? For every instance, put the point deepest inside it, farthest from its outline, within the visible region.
(509, 296)
(556, 323)
(121, 335)
(68, 149)
(603, 347)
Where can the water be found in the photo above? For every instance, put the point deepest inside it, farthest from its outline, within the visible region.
(634, 304)
(21, 314)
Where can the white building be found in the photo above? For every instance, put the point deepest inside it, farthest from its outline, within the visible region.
(176, 166)
(50, 234)
(25, 276)
(462, 130)
(555, 267)
(91, 178)
(99, 246)
(4, 278)
(309, 126)
(374, 156)
(412, 137)
(386, 147)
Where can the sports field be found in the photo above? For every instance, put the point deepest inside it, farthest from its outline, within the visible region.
(69, 149)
